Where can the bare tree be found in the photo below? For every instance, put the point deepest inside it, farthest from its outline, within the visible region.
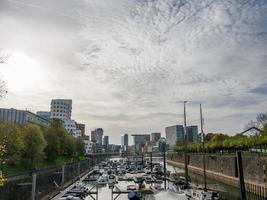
(3, 59)
(262, 119)
(259, 123)
(3, 56)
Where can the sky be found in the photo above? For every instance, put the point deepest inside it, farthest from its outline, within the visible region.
(128, 65)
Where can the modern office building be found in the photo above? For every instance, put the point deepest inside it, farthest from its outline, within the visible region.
(155, 137)
(97, 135)
(61, 109)
(125, 140)
(192, 133)
(44, 114)
(81, 127)
(87, 144)
(22, 117)
(174, 135)
(106, 142)
(141, 139)
(70, 126)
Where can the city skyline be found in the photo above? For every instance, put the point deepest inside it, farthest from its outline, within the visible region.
(128, 65)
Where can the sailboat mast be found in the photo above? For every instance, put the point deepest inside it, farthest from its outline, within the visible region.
(203, 149)
(185, 146)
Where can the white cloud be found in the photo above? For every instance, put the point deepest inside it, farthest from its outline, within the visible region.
(128, 63)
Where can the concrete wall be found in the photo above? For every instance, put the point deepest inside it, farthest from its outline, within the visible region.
(253, 164)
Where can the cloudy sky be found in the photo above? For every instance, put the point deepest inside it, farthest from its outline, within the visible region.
(129, 64)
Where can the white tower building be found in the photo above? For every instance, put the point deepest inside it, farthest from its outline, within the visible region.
(61, 109)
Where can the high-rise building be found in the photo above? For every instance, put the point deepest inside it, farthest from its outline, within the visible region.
(97, 135)
(125, 140)
(81, 127)
(22, 117)
(61, 109)
(174, 135)
(192, 134)
(106, 142)
(155, 137)
(141, 139)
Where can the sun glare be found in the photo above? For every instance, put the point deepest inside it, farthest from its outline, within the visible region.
(21, 72)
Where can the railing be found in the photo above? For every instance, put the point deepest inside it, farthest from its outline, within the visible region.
(45, 183)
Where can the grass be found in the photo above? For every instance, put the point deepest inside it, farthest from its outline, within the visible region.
(13, 170)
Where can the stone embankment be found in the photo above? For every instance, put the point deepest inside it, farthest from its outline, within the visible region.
(223, 168)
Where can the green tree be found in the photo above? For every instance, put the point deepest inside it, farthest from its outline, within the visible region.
(57, 128)
(11, 139)
(70, 146)
(52, 149)
(80, 147)
(34, 145)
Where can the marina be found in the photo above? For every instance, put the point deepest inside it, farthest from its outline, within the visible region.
(115, 179)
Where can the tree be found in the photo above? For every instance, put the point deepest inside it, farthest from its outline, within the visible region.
(3, 58)
(34, 145)
(60, 132)
(80, 147)
(262, 119)
(11, 139)
(70, 146)
(52, 149)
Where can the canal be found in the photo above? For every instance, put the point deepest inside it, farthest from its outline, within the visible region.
(226, 191)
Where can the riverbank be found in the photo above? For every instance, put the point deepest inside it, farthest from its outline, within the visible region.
(252, 187)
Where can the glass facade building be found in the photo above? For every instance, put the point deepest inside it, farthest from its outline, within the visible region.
(174, 135)
(22, 117)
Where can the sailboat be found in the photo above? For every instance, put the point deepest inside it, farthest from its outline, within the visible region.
(203, 193)
(182, 185)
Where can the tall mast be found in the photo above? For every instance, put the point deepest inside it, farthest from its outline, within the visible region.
(203, 150)
(185, 146)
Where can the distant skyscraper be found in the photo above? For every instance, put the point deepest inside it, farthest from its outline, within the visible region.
(61, 109)
(192, 133)
(174, 135)
(106, 141)
(155, 137)
(141, 139)
(97, 135)
(124, 140)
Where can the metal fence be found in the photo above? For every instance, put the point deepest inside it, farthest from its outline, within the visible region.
(43, 183)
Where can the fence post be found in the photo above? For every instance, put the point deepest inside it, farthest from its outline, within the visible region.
(33, 185)
(241, 175)
(78, 170)
(63, 176)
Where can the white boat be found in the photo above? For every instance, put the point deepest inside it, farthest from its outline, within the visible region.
(131, 187)
(200, 194)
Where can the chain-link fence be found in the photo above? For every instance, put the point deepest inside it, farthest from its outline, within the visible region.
(43, 183)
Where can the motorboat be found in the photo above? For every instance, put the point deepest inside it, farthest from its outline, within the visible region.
(201, 194)
(131, 187)
(134, 195)
(148, 180)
